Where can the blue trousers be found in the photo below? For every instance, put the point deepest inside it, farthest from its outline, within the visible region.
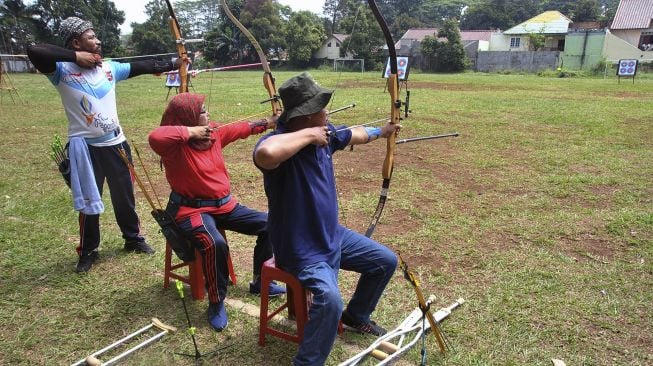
(213, 246)
(108, 166)
(360, 254)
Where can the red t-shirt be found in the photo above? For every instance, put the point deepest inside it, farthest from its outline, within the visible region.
(198, 173)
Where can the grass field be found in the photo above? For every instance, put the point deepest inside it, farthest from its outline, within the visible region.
(540, 215)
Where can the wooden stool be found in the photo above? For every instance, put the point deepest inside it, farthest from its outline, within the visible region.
(195, 278)
(297, 302)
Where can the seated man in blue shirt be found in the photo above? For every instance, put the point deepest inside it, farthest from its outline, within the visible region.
(303, 226)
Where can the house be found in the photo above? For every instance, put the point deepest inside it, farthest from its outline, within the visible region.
(552, 24)
(633, 23)
(330, 48)
(410, 43)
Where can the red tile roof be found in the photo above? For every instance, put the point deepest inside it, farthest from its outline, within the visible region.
(476, 35)
(633, 14)
(340, 37)
(419, 34)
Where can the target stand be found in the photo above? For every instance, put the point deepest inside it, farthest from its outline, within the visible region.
(626, 68)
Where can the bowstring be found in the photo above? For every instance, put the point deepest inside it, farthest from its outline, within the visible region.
(338, 80)
(343, 211)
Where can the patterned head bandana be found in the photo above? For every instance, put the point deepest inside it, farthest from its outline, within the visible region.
(73, 27)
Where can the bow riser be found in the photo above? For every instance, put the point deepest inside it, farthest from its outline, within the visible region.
(181, 48)
(395, 117)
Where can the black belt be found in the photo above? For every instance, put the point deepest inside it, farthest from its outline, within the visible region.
(198, 202)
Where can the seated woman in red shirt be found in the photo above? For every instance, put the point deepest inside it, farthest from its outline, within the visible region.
(190, 147)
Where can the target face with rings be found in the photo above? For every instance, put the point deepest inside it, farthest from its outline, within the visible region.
(627, 67)
(402, 68)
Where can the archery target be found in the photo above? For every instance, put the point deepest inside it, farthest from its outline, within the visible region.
(402, 68)
(627, 67)
(173, 80)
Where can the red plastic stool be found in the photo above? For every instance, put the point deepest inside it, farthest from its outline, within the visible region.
(195, 278)
(297, 302)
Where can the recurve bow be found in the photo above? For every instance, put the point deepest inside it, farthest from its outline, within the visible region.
(180, 43)
(395, 116)
(268, 79)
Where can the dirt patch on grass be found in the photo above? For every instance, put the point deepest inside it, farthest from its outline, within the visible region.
(619, 95)
(589, 247)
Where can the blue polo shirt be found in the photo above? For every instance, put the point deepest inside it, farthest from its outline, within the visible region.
(303, 205)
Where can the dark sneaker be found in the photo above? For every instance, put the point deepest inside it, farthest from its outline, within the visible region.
(138, 247)
(363, 328)
(218, 316)
(86, 261)
(273, 290)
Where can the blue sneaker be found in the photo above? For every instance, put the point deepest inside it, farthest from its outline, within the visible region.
(274, 289)
(218, 316)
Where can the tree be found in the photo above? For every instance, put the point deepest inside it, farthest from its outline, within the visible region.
(587, 10)
(335, 11)
(537, 40)
(608, 10)
(566, 7)
(263, 19)
(153, 36)
(102, 13)
(367, 40)
(435, 12)
(446, 56)
(17, 27)
(499, 14)
(486, 15)
(198, 16)
(305, 35)
(404, 22)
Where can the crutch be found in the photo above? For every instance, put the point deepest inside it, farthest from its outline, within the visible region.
(93, 360)
(386, 351)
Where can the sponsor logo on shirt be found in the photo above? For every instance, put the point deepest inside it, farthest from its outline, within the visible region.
(109, 75)
(73, 78)
(105, 123)
(87, 110)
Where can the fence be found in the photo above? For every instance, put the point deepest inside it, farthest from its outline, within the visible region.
(530, 61)
(16, 63)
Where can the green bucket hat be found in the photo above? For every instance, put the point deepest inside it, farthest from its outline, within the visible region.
(302, 96)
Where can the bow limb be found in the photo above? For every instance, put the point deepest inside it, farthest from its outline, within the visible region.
(181, 48)
(268, 79)
(395, 116)
(435, 327)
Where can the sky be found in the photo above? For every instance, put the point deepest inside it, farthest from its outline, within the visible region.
(135, 9)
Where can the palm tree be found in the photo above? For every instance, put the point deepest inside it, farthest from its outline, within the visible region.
(227, 45)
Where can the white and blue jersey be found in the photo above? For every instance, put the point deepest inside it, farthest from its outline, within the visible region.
(89, 99)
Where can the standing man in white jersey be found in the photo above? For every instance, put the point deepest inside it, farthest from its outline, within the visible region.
(87, 89)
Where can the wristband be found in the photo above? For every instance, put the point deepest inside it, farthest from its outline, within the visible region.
(372, 132)
(259, 126)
